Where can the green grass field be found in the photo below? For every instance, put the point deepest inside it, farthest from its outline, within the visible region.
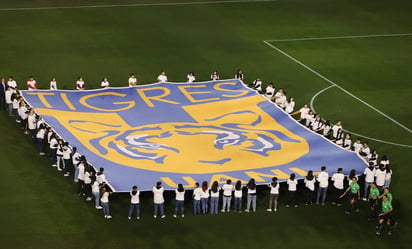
(39, 207)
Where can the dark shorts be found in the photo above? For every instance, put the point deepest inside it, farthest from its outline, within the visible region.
(373, 202)
(385, 217)
(353, 196)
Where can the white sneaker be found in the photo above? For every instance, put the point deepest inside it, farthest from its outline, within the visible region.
(59, 169)
(154, 216)
(54, 165)
(163, 216)
(129, 218)
(364, 199)
(88, 198)
(99, 207)
(275, 210)
(174, 215)
(269, 210)
(42, 153)
(105, 216)
(109, 217)
(75, 180)
(247, 210)
(138, 218)
(183, 215)
(222, 210)
(67, 174)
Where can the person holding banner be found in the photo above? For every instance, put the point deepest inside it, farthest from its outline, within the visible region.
(323, 179)
(104, 200)
(204, 197)
(227, 195)
(274, 194)
(196, 199)
(214, 198)
(158, 200)
(80, 85)
(238, 193)
(134, 202)
(132, 80)
(251, 196)
(180, 201)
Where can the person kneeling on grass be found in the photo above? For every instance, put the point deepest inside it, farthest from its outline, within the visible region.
(385, 216)
(354, 196)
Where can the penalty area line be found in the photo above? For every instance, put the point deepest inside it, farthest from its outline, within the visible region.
(336, 85)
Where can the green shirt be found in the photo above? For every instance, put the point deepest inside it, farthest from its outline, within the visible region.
(389, 195)
(386, 206)
(354, 187)
(374, 193)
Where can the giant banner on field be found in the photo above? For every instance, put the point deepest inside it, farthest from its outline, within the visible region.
(186, 133)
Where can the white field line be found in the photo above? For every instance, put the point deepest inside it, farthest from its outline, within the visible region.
(132, 5)
(339, 37)
(336, 85)
(312, 100)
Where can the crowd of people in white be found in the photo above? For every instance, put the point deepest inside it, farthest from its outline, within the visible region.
(92, 182)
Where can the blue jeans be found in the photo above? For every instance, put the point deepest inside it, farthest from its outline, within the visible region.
(226, 202)
(41, 145)
(238, 203)
(66, 163)
(134, 206)
(196, 207)
(366, 189)
(106, 210)
(76, 172)
(387, 183)
(180, 206)
(33, 135)
(53, 155)
(204, 205)
(321, 194)
(251, 202)
(214, 205)
(158, 206)
(96, 198)
(10, 109)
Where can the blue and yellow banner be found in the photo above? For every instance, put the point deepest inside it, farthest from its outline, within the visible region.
(186, 133)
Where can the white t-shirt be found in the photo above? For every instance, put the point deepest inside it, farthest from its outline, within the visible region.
(40, 133)
(335, 129)
(12, 84)
(292, 184)
(67, 151)
(95, 187)
(105, 84)
(53, 85)
(158, 195)
(257, 85)
(380, 177)
(204, 194)
(80, 85)
(227, 189)
(8, 94)
(274, 190)
(80, 176)
(304, 112)
(190, 78)
(369, 174)
(238, 193)
(338, 179)
(31, 122)
(100, 178)
(134, 198)
(214, 194)
(310, 184)
(289, 106)
(180, 196)
(31, 85)
(105, 197)
(323, 179)
(132, 81)
(269, 91)
(162, 78)
(357, 147)
(196, 193)
(87, 179)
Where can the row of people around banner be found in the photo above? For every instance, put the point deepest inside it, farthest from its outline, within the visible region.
(80, 84)
(207, 199)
